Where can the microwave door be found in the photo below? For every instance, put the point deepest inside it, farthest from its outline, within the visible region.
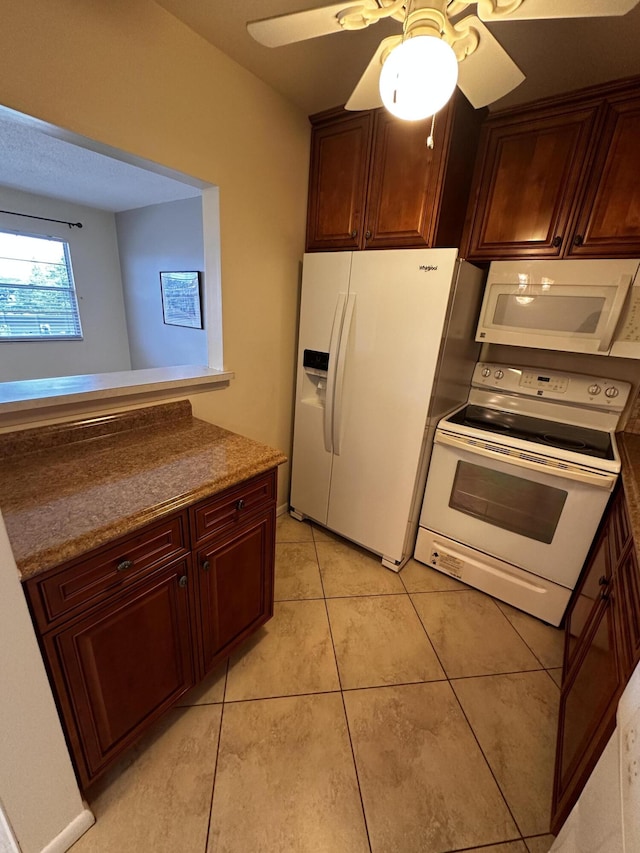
(614, 314)
(567, 317)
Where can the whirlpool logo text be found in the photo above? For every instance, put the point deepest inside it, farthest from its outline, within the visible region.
(427, 268)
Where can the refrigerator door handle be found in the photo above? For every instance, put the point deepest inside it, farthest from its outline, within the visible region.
(342, 361)
(334, 343)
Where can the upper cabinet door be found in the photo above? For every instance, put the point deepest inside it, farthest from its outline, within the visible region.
(404, 181)
(608, 224)
(527, 178)
(338, 182)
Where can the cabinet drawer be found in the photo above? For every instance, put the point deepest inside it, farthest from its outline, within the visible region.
(222, 513)
(89, 579)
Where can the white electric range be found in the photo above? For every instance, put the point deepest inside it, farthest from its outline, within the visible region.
(518, 481)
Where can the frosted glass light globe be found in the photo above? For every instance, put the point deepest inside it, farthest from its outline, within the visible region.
(418, 77)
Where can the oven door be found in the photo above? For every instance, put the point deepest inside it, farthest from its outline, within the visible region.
(520, 507)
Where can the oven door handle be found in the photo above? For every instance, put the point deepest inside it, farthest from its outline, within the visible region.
(603, 481)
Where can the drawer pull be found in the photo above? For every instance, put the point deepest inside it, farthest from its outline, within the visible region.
(240, 504)
(205, 566)
(182, 582)
(123, 565)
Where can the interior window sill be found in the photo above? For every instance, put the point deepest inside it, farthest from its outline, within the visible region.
(33, 394)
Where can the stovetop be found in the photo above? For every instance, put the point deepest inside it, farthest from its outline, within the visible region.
(551, 434)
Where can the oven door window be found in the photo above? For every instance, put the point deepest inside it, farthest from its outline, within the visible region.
(512, 503)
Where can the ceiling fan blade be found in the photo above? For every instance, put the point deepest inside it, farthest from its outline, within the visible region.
(488, 73)
(532, 9)
(366, 95)
(300, 26)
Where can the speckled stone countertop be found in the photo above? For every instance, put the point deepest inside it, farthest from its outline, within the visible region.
(68, 488)
(629, 447)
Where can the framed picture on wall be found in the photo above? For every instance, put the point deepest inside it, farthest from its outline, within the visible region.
(181, 299)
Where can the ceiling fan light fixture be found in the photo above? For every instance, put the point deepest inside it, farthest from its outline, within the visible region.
(418, 77)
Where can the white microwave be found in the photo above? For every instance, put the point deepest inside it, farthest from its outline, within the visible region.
(574, 306)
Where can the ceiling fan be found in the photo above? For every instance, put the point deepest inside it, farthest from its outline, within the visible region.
(415, 72)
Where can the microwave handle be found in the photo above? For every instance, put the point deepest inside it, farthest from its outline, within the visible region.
(614, 314)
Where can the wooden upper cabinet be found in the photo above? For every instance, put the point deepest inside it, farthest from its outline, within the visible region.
(338, 181)
(526, 183)
(608, 223)
(559, 178)
(392, 191)
(403, 182)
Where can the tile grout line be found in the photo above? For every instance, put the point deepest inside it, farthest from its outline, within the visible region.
(215, 765)
(449, 682)
(537, 657)
(502, 794)
(344, 707)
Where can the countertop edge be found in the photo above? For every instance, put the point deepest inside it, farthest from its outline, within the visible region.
(45, 560)
(36, 394)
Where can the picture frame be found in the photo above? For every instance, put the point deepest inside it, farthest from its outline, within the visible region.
(182, 298)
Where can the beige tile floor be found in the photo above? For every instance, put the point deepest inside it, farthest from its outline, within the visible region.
(382, 712)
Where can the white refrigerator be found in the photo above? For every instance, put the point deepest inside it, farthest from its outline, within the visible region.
(386, 347)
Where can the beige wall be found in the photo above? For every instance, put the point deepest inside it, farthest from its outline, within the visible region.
(129, 75)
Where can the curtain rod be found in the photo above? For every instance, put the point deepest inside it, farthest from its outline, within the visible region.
(44, 218)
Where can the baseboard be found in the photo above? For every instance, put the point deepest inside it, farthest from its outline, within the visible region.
(282, 509)
(71, 833)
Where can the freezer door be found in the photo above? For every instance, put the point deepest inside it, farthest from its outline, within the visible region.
(385, 372)
(325, 286)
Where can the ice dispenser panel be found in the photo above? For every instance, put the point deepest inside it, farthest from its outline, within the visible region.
(314, 360)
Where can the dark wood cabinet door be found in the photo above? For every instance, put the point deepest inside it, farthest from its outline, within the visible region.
(236, 586)
(589, 595)
(588, 705)
(404, 182)
(338, 182)
(609, 220)
(529, 173)
(628, 615)
(122, 665)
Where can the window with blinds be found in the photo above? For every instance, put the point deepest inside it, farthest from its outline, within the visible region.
(37, 294)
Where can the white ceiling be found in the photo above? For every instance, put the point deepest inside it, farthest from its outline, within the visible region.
(556, 56)
(34, 161)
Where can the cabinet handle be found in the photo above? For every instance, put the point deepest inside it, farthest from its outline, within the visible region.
(557, 242)
(240, 504)
(205, 566)
(123, 565)
(354, 233)
(604, 581)
(183, 581)
(605, 595)
(578, 240)
(367, 235)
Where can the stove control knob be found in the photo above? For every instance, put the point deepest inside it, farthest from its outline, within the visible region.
(594, 389)
(486, 371)
(611, 391)
(499, 374)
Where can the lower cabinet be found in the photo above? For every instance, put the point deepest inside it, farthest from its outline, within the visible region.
(234, 599)
(122, 665)
(601, 650)
(129, 628)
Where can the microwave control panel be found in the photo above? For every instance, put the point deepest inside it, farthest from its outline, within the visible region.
(564, 387)
(630, 331)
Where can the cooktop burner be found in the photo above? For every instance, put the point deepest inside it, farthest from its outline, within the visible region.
(590, 442)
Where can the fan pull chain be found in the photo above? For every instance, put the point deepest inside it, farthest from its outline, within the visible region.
(430, 137)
